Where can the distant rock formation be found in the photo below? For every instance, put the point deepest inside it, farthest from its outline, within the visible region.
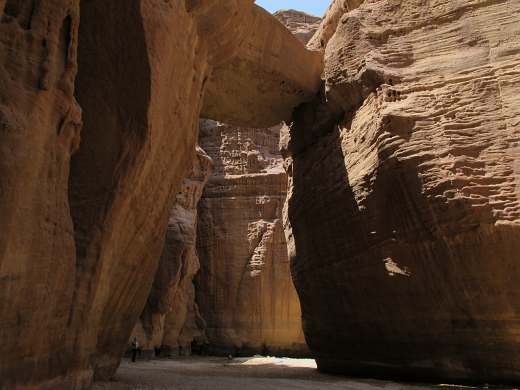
(244, 289)
(302, 25)
(403, 216)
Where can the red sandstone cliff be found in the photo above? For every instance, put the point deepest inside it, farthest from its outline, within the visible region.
(244, 288)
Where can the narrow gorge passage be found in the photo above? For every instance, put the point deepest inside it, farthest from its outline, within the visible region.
(246, 373)
(239, 197)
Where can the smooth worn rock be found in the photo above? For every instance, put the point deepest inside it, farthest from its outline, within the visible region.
(404, 203)
(244, 288)
(81, 240)
(171, 320)
(243, 250)
(263, 84)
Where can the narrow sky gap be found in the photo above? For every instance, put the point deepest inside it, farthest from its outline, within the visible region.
(313, 7)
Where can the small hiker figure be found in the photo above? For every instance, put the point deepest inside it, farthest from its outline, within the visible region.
(135, 348)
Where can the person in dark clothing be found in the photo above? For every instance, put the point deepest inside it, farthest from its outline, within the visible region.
(135, 349)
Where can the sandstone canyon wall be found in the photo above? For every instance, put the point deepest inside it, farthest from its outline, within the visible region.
(302, 25)
(83, 228)
(171, 320)
(244, 289)
(403, 213)
(165, 315)
(39, 131)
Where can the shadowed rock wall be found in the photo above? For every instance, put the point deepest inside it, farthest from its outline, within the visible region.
(81, 239)
(403, 214)
(244, 288)
(39, 131)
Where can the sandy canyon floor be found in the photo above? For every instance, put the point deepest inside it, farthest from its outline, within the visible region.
(257, 373)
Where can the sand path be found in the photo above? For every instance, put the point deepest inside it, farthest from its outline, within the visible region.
(202, 373)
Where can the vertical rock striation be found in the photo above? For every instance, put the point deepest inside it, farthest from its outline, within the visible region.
(39, 130)
(244, 289)
(170, 319)
(403, 214)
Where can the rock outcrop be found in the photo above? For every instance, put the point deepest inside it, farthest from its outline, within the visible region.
(81, 239)
(302, 25)
(39, 131)
(170, 320)
(244, 289)
(403, 215)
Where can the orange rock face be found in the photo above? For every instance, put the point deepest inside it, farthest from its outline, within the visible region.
(303, 26)
(244, 288)
(404, 203)
(81, 239)
(171, 319)
(39, 130)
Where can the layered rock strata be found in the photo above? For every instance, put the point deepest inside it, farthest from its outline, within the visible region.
(81, 239)
(244, 289)
(403, 214)
(171, 320)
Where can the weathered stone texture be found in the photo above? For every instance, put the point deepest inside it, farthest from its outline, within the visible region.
(170, 319)
(244, 289)
(263, 83)
(302, 25)
(404, 199)
(81, 239)
(39, 130)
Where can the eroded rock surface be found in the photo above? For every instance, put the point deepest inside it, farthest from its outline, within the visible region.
(404, 198)
(170, 320)
(244, 289)
(81, 240)
(263, 83)
(302, 25)
(39, 130)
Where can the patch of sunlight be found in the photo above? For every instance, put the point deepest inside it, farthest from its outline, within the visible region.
(275, 361)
